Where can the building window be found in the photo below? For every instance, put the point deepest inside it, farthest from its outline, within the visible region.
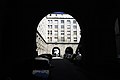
(68, 26)
(56, 37)
(68, 31)
(56, 26)
(56, 21)
(62, 33)
(50, 39)
(62, 26)
(74, 26)
(62, 21)
(56, 32)
(74, 21)
(68, 34)
(68, 22)
(49, 32)
(68, 39)
(63, 39)
(49, 26)
(62, 30)
(49, 21)
(75, 39)
(74, 32)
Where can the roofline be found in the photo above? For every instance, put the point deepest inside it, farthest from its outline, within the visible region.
(57, 18)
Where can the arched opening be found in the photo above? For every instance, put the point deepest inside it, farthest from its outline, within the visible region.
(68, 53)
(56, 52)
(69, 50)
(57, 29)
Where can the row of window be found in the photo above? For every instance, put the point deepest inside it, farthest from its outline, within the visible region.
(62, 39)
(62, 26)
(62, 21)
(62, 32)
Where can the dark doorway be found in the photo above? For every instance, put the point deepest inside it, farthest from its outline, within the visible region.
(56, 52)
(68, 50)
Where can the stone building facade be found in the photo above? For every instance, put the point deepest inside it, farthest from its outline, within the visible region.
(57, 30)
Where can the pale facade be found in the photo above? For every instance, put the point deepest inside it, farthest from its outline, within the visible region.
(41, 44)
(59, 30)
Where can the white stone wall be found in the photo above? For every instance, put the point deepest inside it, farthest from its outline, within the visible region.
(41, 45)
(62, 47)
(42, 27)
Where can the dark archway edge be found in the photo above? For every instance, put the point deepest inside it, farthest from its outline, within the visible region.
(20, 20)
(55, 48)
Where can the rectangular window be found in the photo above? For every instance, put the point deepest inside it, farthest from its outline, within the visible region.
(68, 31)
(74, 21)
(74, 32)
(75, 39)
(51, 32)
(62, 30)
(56, 37)
(68, 39)
(51, 39)
(56, 21)
(68, 26)
(56, 26)
(68, 22)
(74, 26)
(63, 39)
(62, 21)
(48, 32)
(68, 34)
(62, 33)
(62, 26)
(48, 39)
(49, 21)
(56, 32)
(49, 26)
